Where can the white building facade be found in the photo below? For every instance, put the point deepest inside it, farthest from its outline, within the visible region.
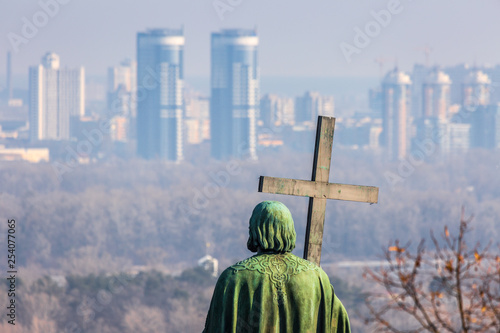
(396, 113)
(56, 96)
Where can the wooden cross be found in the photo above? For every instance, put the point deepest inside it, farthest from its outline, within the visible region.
(318, 189)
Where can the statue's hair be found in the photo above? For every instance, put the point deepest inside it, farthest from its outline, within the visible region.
(271, 228)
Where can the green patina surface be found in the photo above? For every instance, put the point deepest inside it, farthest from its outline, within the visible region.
(275, 291)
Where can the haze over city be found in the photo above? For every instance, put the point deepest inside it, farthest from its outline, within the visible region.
(136, 138)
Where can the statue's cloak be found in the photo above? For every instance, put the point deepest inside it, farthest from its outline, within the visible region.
(275, 293)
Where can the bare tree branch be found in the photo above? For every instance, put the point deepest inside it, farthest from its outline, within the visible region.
(454, 288)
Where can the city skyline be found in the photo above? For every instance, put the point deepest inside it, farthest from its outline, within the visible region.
(430, 102)
(460, 113)
(317, 48)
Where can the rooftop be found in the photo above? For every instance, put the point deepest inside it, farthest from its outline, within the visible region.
(477, 77)
(164, 32)
(397, 77)
(237, 32)
(438, 77)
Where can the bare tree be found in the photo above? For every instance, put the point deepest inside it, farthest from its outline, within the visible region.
(453, 288)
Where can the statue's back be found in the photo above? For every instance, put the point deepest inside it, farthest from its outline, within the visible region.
(275, 293)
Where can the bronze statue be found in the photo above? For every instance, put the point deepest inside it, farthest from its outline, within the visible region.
(274, 290)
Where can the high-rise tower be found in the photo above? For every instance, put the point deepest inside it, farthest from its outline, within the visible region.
(436, 95)
(56, 95)
(160, 81)
(235, 93)
(122, 99)
(396, 113)
(476, 90)
(122, 90)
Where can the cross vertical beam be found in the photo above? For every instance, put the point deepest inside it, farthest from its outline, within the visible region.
(320, 173)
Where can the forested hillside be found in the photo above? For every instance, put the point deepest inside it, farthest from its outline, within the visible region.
(108, 217)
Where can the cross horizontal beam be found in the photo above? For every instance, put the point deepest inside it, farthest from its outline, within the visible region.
(316, 189)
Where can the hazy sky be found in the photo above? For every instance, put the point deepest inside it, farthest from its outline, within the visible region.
(297, 37)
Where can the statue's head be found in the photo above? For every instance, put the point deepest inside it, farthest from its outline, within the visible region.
(271, 228)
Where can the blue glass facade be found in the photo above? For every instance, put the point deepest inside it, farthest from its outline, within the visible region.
(234, 93)
(160, 76)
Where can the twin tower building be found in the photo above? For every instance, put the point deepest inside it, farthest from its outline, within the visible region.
(234, 94)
